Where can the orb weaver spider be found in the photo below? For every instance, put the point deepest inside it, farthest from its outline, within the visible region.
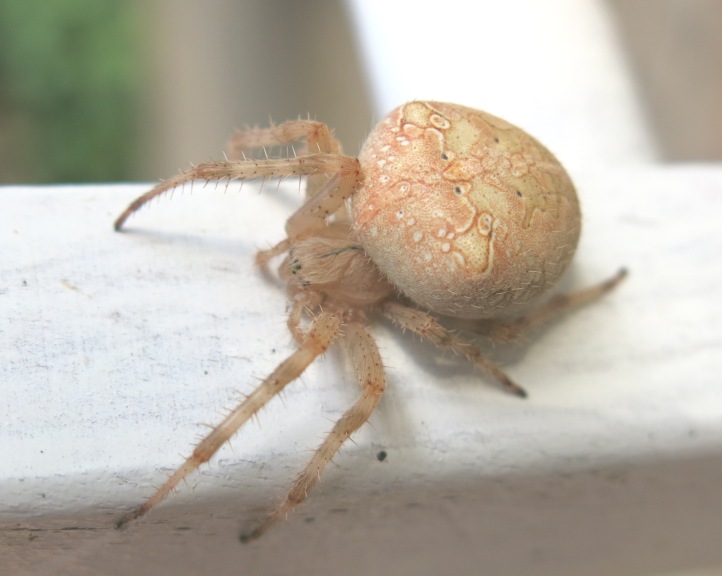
(447, 211)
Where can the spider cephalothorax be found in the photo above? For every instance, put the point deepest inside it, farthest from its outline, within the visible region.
(448, 211)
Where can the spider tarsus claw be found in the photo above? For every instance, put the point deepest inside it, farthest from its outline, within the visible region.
(121, 524)
(246, 537)
(118, 224)
(513, 387)
(616, 279)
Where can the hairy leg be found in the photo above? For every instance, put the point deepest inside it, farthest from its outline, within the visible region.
(370, 373)
(317, 134)
(300, 303)
(507, 331)
(318, 140)
(428, 327)
(344, 169)
(263, 257)
(316, 340)
(329, 199)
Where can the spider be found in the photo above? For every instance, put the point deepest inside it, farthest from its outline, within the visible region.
(447, 212)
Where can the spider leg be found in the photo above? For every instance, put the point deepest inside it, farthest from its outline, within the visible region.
(294, 318)
(507, 331)
(370, 373)
(317, 134)
(330, 199)
(428, 327)
(313, 164)
(318, 338)
(303, 301)
(263, 257)
(318, 140)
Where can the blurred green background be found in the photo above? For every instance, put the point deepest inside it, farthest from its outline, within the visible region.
(70, 78)
(127, 90)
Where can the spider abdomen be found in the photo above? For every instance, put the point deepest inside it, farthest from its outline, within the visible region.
(466, 214)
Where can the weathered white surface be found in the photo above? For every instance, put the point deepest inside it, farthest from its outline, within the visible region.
(114, 347)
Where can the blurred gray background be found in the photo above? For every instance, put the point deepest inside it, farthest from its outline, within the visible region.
(110, 90)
